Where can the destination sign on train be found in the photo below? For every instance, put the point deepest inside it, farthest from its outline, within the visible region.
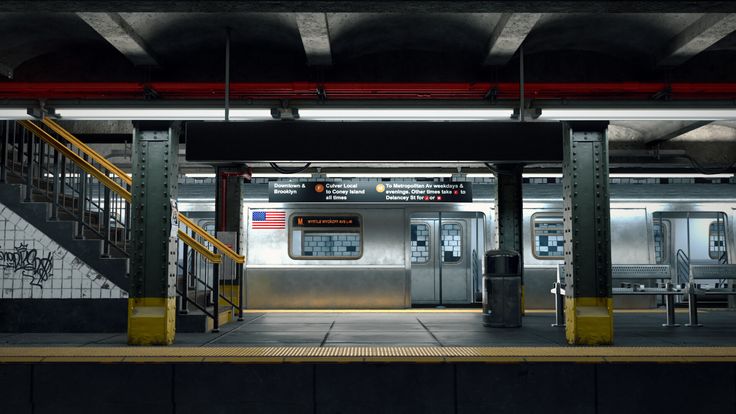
(325, 221)
(371, 192)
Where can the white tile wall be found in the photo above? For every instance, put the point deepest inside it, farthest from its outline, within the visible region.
(50, 270)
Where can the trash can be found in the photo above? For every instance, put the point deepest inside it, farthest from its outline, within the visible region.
(502, 289)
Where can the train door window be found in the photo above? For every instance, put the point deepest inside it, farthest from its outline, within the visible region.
(548, 235)
(452, 243)
(338, 237)
(717, 240)
(420, 243)
(661, 238)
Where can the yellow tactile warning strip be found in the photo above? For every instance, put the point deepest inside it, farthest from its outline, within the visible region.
(433, 310)
(366, 354)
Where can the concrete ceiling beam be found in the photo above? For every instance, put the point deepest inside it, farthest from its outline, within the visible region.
(116, 31)
(697, 37)
(315, 36)
(673, 130)
(508, 36)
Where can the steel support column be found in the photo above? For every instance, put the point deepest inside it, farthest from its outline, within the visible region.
(152, 303)
(587, 223)
(509, 213)
(228, 223)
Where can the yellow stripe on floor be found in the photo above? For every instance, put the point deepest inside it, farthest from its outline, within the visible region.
(365, 354)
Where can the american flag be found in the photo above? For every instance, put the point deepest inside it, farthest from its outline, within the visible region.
(268, 220)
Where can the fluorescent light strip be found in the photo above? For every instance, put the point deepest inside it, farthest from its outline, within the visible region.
(14, 113)
(636, 175)
(402, 114)
(670, 175)
(254, 175)
(388, 175)
(276, 175)
(200, 175)
(204, 114)
(542, 175)
(633, 114)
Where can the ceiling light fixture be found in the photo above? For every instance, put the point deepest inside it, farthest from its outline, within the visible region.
(173, 114)
(634, 114)
(404, 114)
(14, 113)
(388, 175)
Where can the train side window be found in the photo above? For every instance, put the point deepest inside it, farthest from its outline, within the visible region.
(717, 239)
(452, 243)
(661, 241)
(420, 243)
(548, 235)
(337, 237)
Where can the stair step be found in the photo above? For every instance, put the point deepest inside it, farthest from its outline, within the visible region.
(197, 321)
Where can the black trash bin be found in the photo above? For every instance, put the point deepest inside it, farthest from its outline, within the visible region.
(502, 289)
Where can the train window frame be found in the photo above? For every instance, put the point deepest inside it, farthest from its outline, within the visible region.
(719, 253)
(358, 230)
(533, 232)
(462, 236)
(429, 247)
(665, 225)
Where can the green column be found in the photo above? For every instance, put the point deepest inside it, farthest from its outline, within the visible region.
(152, 302)
(587, 222)
(509, 213)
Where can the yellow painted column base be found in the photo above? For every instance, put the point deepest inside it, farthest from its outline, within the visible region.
(589, 321)
(151, 321)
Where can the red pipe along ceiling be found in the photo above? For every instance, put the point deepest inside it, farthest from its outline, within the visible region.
(364, 91)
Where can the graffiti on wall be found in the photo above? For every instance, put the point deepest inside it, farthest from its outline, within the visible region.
(27, 261)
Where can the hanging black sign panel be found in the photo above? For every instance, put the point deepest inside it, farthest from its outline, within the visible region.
(371, 192)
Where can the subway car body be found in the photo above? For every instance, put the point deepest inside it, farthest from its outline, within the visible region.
(383, 256)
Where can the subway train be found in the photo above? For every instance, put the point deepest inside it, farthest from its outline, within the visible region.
(402, 255)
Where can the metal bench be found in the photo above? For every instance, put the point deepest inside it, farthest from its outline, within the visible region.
(704, 272)
(627, 272)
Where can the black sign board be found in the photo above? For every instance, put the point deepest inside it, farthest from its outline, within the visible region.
(371, 192)
(372, 141)
(326, 221)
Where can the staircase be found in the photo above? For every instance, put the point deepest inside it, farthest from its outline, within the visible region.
(64, 231)
(81, 201)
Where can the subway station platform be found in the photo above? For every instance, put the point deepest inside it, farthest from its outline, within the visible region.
(414, 361)
(413, 328)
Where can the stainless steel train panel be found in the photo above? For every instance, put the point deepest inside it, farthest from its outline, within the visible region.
(379, 278)
(344, 287)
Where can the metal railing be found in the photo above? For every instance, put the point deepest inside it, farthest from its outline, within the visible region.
(77, 186)
(81, 185)
(204, 275)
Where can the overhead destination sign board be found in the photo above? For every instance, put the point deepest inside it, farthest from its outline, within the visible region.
(371, 192)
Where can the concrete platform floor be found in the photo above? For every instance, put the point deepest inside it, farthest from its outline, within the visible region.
(445, 328)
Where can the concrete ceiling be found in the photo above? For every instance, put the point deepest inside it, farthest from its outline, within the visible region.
(366, 46)
(387, 41)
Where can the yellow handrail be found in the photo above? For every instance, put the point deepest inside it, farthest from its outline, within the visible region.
(88, 151)
(199, 247)
(75, 158)
(222, 247)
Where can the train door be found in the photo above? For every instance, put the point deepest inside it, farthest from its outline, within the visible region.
(443, 266)
(690, 238)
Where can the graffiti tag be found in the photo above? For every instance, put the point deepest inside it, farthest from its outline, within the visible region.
(27, 261)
